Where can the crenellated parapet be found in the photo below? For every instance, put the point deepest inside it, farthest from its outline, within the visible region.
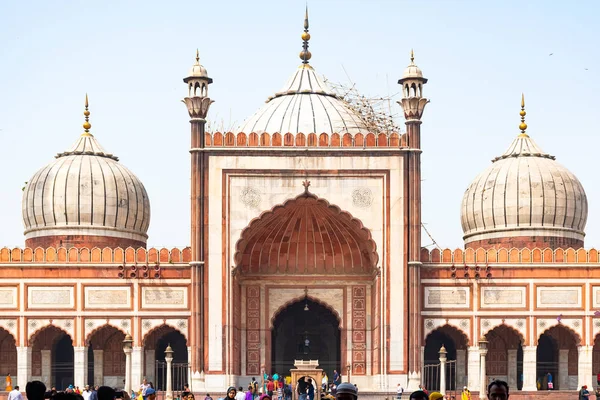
(510, 256)
(95, 255)
(335, 140)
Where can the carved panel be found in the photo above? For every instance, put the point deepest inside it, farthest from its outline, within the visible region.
(10, 325)
(559, 297)
(596, 297)
(8, 297)
(92, 324)
(34, 325)
(518, 324)
(164, 297)
(503, 297)
(50, 297)
(107, 297)
(447, 297)
(359, 330)
(180, 324)
(253, 330)
(462, 324)
(278, 298)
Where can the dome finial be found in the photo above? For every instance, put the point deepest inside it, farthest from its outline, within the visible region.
(305, 54)
(412, 56)
(197, 56)
(523, 125)
(86, 124)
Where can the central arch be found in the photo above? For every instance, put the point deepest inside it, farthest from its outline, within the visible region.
(305, 330)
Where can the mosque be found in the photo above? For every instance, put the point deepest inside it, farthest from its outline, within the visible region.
(305, 244)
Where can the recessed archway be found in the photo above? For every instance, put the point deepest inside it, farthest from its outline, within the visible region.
(54, 347)
(557, 358)
(155, 344)
(455, 342)
(8, 354)
(505, 355)
(305, 330)
(106, 356)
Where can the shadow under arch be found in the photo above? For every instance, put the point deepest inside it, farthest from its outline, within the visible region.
(455, 343)
(8, 353)
(553, 344)
(504, 358)
(62, 352)
(313, 299)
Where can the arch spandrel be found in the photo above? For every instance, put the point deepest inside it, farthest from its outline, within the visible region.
(458, 329)
(277, 307)
(92, 326)
(34, 335)
(518, 325)
(151, 326)
(306, 235)
(34, 326)
(573, 325)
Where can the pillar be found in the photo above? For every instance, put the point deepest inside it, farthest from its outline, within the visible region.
(46, 367)
(443, 359)
(461, 369)
(99, 367)
(483, 375)
(584, 368)
(512, 368)
(169, 360)
(563, 370)
(23, 366)
(80, 365)
(473, 368)
(127, 387)
(137, 363)
(529, 368)
(150, 361)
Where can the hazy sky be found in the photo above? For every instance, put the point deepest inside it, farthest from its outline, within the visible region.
(131, 56)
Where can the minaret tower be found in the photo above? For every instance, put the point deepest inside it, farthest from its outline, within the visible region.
(413, 103)
(198, 103)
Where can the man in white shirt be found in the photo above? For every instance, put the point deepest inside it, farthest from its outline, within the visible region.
(86, 393)
(15, 394)
(240, 395)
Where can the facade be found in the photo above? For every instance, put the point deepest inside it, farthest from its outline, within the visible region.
(305, 244)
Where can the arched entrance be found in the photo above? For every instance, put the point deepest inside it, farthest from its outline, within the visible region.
(106, 357)
(596, 355)
(456, 344)
(8, 354)
(305, 330)
(155, 344)
(52, 357)
(557, 355)
(505, 356)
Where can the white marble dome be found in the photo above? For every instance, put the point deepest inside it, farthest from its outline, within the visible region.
(86, 192)
(306, 105)
(525, 192)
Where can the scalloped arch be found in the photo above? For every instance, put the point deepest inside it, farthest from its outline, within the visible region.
(34, 333)
(9, 333)
(507, 326)
(103, 326)
(454, 330)
(162, 326)
(559, 325)
(306, 235)
(297, 299)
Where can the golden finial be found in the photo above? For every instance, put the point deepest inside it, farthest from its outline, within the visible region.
(197, 56)
(86, 124)
(412, 56)
(523, 125)
(305, 54)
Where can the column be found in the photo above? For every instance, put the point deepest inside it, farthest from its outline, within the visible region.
(23, 366)
(529, 368)
(150, 360)
(512, 368)
(563, 370)
(461, 369)
(127, 387)
(483, 378)
(99, 367)
(473, 371)
(443, 359)
(169, 360)
(46, 367)
(136, 366)
(80, 365)
(584, 367)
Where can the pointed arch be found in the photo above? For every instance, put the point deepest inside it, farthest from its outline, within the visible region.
(297, 299)
(97, 330)
(503, 326)
(161, 330)
(460, 337)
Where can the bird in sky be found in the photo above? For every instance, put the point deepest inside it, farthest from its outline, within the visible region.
(550, 54)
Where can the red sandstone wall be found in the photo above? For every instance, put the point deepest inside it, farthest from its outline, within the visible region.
(510, 255)
(69, 241)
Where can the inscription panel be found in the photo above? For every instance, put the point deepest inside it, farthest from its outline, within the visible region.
(503, 297)
(8, 297)
(558, 297)
(447, 297)
(107, 297)
(596, 296)
(164, 297)
(40, 297)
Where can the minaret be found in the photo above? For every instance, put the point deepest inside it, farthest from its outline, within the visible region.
(413, 103)
(198, 103)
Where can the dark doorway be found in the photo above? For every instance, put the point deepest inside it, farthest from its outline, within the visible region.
(178, 344)
(62, 362)
(305, 330)
(547, 360)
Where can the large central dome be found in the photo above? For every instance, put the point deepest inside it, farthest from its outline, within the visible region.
(305, 105)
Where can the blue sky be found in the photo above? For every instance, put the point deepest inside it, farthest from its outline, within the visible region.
(130, 56)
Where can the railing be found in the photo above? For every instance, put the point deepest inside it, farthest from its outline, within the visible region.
(431, 378)
(179, 377)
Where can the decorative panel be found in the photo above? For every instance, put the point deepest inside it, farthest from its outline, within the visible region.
(359, 330)
(164, 297)
(504, 297)
(447, 297)
(8, 297)
(107, 297)
(253, 330)
(559, 297)
(280, 298)
(48, 297)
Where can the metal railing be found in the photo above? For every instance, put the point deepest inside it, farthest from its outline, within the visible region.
(179, 377)
(431, 378)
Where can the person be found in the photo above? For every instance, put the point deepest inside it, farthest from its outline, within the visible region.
(399, 392)
(549, 378)
(324, 382)
(15, 394)
(311, 390)
(346, 391)
(231, 392)
(287, 391)
(279, 390)
(106, 393)
(466, 394)
(583, 393)
(418, 395)
(86, 392)
(337, 379)
(250, 392)
(186, 391)
(35, 390)
(254, 385)
(422, 388)
(497, 390)
(144, 387)
(240, 395)
(94, 393)
(8, 387)
(598, 379)
(207, 397)
(301, 389)
(435, 396)
(270, 387)
(150, 392)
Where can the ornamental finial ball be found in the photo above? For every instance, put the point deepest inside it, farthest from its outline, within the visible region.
(305, 55)
(305, 36)
(87, 125)
(523, 126)
(522, 113)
